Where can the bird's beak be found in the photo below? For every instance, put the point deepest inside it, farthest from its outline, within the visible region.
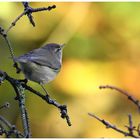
(63, 45)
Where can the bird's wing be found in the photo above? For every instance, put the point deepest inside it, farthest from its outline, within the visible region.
(41, 57)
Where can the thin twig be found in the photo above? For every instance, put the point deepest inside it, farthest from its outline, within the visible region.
(131, 98)
(28, 11)
(4, 35)
(15, 21)
(7, 123)
(12, 128)
(43, 9)
(109, 125)
(130, 128)
(63, 108)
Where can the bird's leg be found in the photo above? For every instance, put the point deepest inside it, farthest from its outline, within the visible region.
(44, 89)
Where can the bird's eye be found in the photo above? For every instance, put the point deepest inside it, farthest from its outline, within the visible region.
(57, 49)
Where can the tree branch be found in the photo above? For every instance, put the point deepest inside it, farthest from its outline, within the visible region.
(4, 35)
(28, 11)
(131, 98)
(21, 99)
(62, 108)
(109, 125)
(12, 129)
(23, 86)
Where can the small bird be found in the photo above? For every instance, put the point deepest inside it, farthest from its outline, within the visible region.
(43, 64)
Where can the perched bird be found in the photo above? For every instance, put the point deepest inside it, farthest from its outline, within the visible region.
(43, 64)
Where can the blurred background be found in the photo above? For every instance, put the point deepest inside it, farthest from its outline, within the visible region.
(102, 47)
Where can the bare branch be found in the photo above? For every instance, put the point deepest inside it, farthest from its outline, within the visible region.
(4, 35)
(109, 125)
(28, 11)
(11, 129)
(131, 98)
(28, 8)
(15, 21)
(130, 128)
(63, 108)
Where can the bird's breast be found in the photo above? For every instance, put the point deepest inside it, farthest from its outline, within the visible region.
(37, 73)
